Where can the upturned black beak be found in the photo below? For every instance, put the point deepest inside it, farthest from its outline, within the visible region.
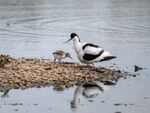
(68, 40)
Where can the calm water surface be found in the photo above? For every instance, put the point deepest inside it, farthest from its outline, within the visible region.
(35, 28)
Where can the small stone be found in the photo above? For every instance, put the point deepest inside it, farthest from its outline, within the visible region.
(118, 112)
(90, 100)
(16, 110)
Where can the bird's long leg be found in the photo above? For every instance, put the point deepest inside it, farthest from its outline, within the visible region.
(88, 65)
(93, 65)
(59, 60)
(54, 60)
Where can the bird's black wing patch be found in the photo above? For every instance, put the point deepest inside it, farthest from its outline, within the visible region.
(89, 44)
(89, 57)
(108, 58)
(92, 85)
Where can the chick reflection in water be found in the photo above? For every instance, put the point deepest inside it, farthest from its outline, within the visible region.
(89, 90)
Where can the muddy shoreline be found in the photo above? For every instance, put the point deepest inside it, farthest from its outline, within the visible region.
(25, 73)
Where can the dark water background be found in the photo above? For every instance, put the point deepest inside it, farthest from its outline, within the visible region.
(35, 28)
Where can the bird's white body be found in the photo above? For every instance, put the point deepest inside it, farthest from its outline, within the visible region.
(78, 49)
(84, 51)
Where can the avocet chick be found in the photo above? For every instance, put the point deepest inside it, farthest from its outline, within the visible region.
(60, 55)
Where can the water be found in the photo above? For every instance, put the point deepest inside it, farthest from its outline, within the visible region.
(35, 28)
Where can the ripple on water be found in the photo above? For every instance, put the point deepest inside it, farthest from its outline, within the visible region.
(47, 19)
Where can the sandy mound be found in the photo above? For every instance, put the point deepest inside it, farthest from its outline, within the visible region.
(26, 73)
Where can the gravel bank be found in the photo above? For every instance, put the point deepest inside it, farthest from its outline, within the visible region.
(26, 73)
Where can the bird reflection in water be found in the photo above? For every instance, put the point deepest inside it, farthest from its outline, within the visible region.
(89, 90)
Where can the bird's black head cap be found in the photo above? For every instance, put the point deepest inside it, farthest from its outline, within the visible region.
(73, 35)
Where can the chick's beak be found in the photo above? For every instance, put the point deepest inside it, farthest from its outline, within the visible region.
(68, 55)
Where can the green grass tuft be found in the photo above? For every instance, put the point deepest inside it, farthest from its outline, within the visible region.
(4, 59)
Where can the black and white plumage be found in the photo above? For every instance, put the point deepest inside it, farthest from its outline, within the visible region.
(89, 53)
(89, 90)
